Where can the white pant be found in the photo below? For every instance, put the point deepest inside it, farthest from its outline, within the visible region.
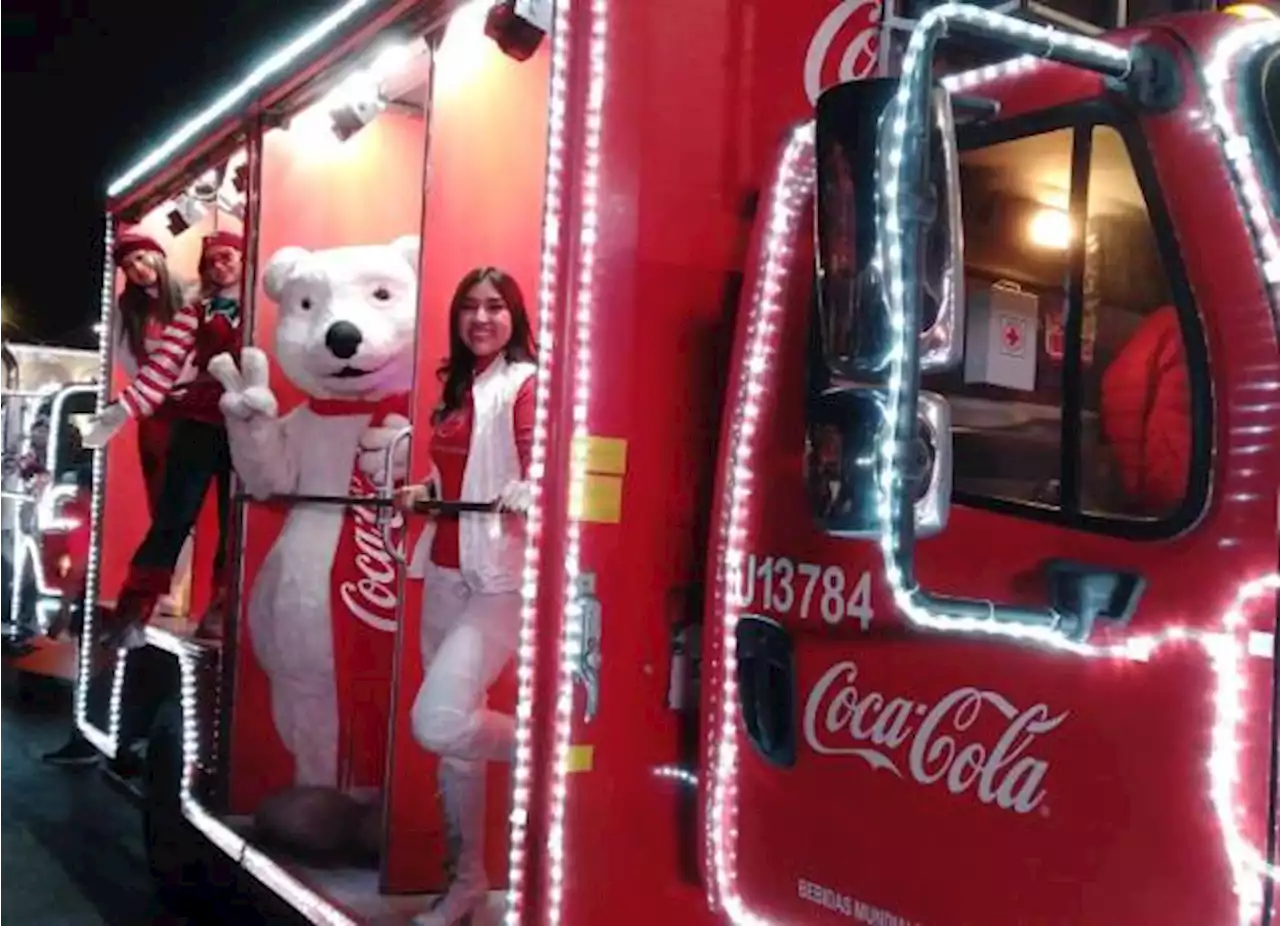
(467, 639)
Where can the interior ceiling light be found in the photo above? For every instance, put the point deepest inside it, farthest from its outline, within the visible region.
(1254, 11)
(355, 104)
(206, 188)
(1050, 228)
(186, 211)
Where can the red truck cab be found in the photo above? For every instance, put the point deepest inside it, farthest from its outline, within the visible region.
(1052, 702)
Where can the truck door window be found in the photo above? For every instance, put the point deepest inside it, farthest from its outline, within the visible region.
(1095, 430)
(1260, 108)
(1006, 399)
(1135, 389)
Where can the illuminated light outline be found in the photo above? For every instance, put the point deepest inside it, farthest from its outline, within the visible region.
(791, 186)
(225, 104)
(103, 740)
(584, 300)
(293, 891)
(548, 292)
(25, 547)
(1252, 11)
(1225, 651)
(261, 866)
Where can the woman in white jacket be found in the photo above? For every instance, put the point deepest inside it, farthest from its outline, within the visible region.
(481, 445)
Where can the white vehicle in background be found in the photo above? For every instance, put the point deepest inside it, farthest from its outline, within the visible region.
(47, 390)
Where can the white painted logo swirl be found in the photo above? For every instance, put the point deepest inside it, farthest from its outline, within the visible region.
(858, 19)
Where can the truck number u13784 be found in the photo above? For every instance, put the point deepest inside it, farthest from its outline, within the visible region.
(787, 588)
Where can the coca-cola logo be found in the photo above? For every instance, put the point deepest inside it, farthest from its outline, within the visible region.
(934, 744)
(844, 47)
(370, 595)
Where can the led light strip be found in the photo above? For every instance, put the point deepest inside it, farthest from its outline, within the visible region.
(896, 122)
(223, 106)
(1239, 42)
(959, 82)
(315, 908)
(790, 190)
(584, 303)
(23, 543)
(25, 547)
(103, 740)
(548, 293)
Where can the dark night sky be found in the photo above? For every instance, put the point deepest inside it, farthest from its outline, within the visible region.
(88, 87)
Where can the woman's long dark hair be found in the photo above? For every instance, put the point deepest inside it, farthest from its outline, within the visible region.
(458, 370)
(137, 306)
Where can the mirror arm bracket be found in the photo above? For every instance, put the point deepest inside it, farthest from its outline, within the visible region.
(1154, 84)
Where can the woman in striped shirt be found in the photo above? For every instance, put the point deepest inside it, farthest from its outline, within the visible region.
(197, 454)
(151, 298)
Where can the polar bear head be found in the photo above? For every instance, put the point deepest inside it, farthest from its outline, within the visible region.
(347, 318)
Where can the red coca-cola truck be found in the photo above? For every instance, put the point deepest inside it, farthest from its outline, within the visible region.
(904, 547)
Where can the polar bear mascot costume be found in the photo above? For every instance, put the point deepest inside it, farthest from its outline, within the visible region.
(345, 338)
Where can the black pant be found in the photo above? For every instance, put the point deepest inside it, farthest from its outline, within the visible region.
(198, 454)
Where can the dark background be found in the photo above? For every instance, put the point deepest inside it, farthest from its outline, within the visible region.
(89, 87)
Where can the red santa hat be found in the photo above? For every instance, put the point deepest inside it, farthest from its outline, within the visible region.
(131, 241)
(221, 239)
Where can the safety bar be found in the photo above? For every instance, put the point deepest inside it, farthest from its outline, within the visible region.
(394, 545)
(430, 506)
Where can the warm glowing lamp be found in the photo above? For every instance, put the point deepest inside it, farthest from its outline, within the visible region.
(461, 56)
(1252, 11)
(1050, 228)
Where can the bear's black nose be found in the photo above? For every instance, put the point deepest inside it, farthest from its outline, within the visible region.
(343, 339)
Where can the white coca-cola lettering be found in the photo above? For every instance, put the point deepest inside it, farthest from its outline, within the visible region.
(372, 597)
(939, 751)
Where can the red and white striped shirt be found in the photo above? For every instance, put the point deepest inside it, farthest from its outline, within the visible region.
(164, 365)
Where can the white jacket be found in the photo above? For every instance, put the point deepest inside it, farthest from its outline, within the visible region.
(490, 546)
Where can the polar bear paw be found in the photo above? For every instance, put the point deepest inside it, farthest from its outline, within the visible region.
(247, 393)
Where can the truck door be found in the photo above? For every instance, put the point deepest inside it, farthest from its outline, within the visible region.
(1116, 771)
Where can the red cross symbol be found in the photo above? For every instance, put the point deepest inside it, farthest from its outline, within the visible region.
(1012, 336)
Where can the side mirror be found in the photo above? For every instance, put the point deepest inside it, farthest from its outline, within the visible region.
(842, 453)
(854, 326)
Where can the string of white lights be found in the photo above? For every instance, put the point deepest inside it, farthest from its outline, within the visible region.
(237, 95)
(103, 740)
(791, 188)
(548, 294)
(311, 905)
(1237, 44)
(583, 306)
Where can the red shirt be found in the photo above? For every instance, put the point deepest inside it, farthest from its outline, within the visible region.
(450, 444)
